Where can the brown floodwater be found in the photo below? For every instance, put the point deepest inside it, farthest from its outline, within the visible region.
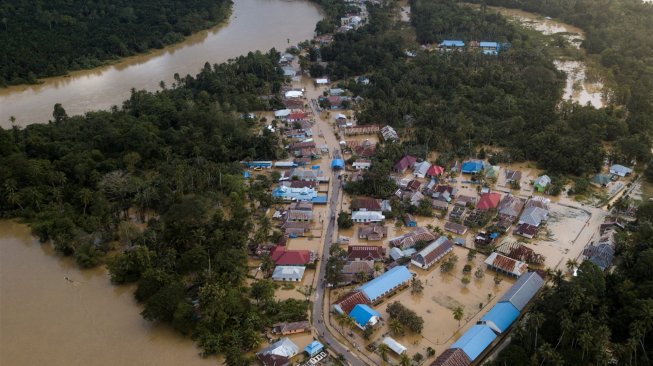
(254, 25)
(83, 320)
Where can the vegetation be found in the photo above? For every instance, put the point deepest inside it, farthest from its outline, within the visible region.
(48, 38)
(405, 317)
(156, 183)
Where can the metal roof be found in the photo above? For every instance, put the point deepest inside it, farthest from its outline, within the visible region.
(452, 43)
(379, 286)
(475, 340)
(394, 345)
(362, 314)
(523, 290)
(501, 316)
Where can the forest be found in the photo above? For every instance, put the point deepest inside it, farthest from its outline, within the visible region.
(48, 38)
(154, 189)
(594, 318)
(454, 102)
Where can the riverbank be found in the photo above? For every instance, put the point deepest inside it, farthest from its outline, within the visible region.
(284, 23)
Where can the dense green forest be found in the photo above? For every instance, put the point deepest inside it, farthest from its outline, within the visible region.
(154, 189)
(47, 38)
(455, 101)
(594, 318)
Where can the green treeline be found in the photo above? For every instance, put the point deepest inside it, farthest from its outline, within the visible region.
(452, 102)
(594, 318)
(47, 38)
(154, 189)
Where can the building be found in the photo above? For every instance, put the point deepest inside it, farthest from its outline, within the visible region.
(389, 134)
(364, 216)
(347, 303)
(282, 113)
(395, 346)
(294, 194)
(541, 183)
(313, 348)
(440, 205)
(434, 171)
(620, 170)
(406, 162)
(521, 293)
(288, 273)
(336, 91)
(283, 257)
(294, 94)
(408, 240)
(357, 271)
(452, 357)
(534, 216)
(489, 48)
(362, 164)
(432, 253)
(278, 353)
(365, 204)
(372, 232)
(443, 192)
(600, 180)
(500, 317)
(409, 220)
(386, 283)
(526, 230)
(449, 44)
(503, 264)
(299, 215)
(488, 201)
(365, 253)
(291, 328)
(258, 164)
(510, 207)
(513, 176)
(364, 315)
(420, 169)
(475, 341)
(455, 228)
(472, 166)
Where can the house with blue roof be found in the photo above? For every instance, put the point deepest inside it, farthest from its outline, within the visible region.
(313, 348)
(337, 164)
(294, 194)
(452, 44)
(386, 283)
(472, 166)
(500, 317)
(364, 315)
(490, 48)
(475, 341)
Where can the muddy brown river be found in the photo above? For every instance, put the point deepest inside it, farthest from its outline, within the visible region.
(254, 25)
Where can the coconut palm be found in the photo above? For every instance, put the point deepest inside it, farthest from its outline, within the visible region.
(395, 327)
(404, 360)
(535, 321)
(571, 264)
(342, 320)
(383, 351)
(458, 314)
(585, 341)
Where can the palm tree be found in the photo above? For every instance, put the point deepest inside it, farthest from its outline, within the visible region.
(350, 322)
(458, 314)
(85, 197)
(404, 360)
(535, 320)
(585, 341)
(383, 351)
(395, 326)
(571, 264)
(377, 268)
(342, 320)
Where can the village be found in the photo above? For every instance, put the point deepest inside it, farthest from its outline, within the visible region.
(435, 273)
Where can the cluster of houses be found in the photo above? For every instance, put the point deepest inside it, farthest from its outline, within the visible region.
(616, 171)
(282, 351)
(485, 47)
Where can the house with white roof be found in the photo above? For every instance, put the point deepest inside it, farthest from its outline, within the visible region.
(420, 169)
(363, 216)
(620, 170)
(288, 273)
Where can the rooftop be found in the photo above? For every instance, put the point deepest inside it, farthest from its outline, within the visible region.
(475, 341)
(523, 290)
(501, 316)
(379, 286)
(452, 357)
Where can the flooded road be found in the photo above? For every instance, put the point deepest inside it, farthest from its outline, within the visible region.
(46, 319)
(253, 25)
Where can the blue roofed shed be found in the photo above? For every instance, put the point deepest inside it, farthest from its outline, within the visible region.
(364, 315)
(314, 348)
(475, 340)
(472, 166)
(338, 164)
(386, 283)
(452, 43)
(500, 317)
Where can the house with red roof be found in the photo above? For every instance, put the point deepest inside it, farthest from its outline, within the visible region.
(285, 257)
(296, 117)
(434, 171)
(365, 253)
(406, 162)
(488, 201)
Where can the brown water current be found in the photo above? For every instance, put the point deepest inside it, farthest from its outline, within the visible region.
(253, 25)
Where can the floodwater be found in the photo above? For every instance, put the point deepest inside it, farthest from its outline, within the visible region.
(53, 313)
(578, 87)
(254, 25)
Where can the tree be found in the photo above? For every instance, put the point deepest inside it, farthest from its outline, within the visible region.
(465, 280)
(416, 286)
(535, 321)
(571, 265)
(479, 273)
(458, 314)
(267, 264)
(262, 291)
(404, 360)
(471, 254)
(345, 221)
(395, 327)
(497, 279)
(383, 350)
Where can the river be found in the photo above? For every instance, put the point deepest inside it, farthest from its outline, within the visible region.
(254, 25)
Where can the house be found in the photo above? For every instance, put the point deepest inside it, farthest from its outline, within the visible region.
(406, 162)
(475, 341)
(258, 164)
(541, 183)
(526, 230)
(472, 166)
(386, 206)
(347, 303)
(364, 315)
(288, 71)
(500, 317)
(309, 175)
(600, 180)
(298, 184)
(372, 232)
(288, 273)
(513, 176)
(533, 216)
(321, 81)
(365, 204)
(363, 80)
(294, 94)
(291, 328)
(295, 134)
(459, 241)
(434, 171)
(336, 91)
(364, 216)
(335, 102)
(301, 205)
(521, 293)
(301, 161)
(452, 357)
(294, 194)
(620, 170)
(492, 171)
(455, 167)
(443, 192)
(414, 198)
(299, 215)
(414, 185)
(365, 253)
(449, 44)
(283, 257)
(488, 201)
(489, 48)
(503, 264)
(353, 270)
(296, 117)
(389, 134)
(293, 103)
(420, 169)
(395, 346)
(386, 283)
(396, 253)
(457, 214)
(282, 113)
(455, 228)
(409, 220)
(362, 164)
(296, 229)
(432, 253)
(439, 205)
(601, 253)
(510, 207)
(313, 348)
(408, 240)
(337, 164)
(278, 353)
